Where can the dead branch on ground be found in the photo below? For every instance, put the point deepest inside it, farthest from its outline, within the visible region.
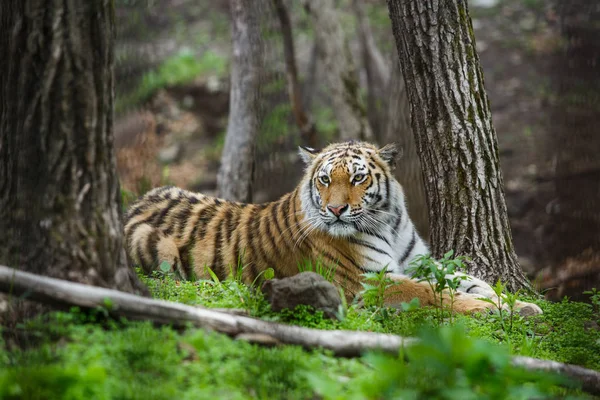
(64, 293)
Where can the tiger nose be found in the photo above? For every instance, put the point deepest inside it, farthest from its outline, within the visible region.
(337, 210)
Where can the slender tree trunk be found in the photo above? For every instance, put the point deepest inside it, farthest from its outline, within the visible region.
(310, 82)
(377, 71)
(59, 194)
(455, 138)
(397, 129)
(234, 181)
(305, 123)
(339, 70)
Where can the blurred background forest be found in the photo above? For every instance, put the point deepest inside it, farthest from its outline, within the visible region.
(172, 77)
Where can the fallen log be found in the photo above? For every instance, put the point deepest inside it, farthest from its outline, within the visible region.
(343, 343)
(60, 292)
(589, 379)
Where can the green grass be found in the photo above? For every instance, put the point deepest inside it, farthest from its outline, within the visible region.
(77, 355)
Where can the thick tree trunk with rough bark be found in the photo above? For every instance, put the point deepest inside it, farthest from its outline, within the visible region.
(339, 70)
(234, 181)
(59, 194)
(455, 138)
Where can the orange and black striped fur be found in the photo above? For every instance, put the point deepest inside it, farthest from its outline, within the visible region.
(348, 211)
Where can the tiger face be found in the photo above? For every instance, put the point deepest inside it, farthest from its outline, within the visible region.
(347, 187)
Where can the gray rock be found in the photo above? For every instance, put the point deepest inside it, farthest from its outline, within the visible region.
(530, 310)
(306, 288)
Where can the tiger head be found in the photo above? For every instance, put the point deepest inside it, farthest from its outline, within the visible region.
(349, 188)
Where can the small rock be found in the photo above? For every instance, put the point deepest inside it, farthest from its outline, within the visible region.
(170, 154)
(306, 288)
(530, 310)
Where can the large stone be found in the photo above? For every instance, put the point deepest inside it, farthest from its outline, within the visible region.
(306, 288)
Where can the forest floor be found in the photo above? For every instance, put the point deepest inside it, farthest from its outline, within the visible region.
(88, 355)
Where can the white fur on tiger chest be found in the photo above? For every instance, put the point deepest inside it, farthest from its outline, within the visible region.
(390, 250)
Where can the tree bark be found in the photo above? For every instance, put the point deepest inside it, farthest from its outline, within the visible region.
(455, 137)
(60, 209)
(234, 181)
(339, 70)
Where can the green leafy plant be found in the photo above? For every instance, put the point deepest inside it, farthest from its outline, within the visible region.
(595, 300)
(412, 305)
(505, 302)
(374, 288)
(441, 275)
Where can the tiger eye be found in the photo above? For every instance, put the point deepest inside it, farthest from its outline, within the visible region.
(358, 178)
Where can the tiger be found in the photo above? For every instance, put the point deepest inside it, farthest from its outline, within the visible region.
(348, 211)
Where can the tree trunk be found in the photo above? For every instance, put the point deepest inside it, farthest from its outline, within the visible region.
(339, 70)
(376, 69)
(60, 209)
(572, 242)
(234, 181)
(397, 129)
(455, 138)
(308, 131)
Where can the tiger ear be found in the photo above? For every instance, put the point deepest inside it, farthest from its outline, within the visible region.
(307, 154)
(390, 153)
